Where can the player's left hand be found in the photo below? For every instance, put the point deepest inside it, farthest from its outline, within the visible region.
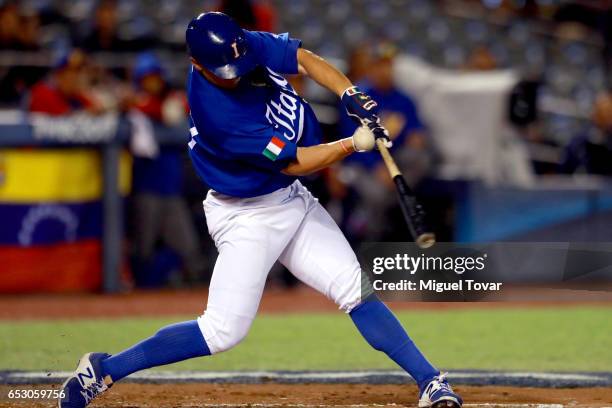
(359, 105)
(380, 132)
(364, 110)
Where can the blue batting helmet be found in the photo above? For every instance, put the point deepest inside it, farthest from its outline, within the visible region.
(218, 43)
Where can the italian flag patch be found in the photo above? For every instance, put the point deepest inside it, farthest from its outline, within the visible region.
(274, 148)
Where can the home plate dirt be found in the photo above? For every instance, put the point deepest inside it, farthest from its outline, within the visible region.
(185, 395)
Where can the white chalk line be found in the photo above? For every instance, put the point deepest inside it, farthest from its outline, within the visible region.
(311, 376)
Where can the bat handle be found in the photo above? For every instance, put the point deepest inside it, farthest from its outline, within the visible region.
(389, 162)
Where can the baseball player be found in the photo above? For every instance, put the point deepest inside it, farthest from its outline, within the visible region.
(252, 135)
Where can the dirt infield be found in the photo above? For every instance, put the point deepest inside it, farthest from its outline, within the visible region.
(323, 395)
(193, 302)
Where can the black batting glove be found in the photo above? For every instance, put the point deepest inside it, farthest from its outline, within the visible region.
(359, 106)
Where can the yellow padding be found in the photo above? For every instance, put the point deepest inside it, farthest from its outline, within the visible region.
(66, 175)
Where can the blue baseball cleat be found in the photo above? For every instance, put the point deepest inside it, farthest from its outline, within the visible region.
(439, 394)
(86, 383)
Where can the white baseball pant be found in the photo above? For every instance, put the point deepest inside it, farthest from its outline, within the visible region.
(288, 225)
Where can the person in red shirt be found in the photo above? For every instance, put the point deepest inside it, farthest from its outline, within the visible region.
(155, 98)
(65, 90)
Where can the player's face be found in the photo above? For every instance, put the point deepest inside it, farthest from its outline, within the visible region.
(215, 80)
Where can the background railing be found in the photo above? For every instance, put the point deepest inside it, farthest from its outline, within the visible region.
(560, 208)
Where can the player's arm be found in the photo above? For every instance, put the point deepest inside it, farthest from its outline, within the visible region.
(322, 72)
(358, 104)
(314, 158)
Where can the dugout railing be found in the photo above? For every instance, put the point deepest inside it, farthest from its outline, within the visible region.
(110, 145)
(558, 208)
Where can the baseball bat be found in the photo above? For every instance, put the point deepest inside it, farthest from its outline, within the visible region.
(414, 215)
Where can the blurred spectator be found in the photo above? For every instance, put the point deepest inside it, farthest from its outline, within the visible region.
(398, 112)
(160, 211)
(359, 63)
(595, 15)
(29, 31)
(19, 31)
(9, 26)
(111, 93)
(544, 152)
(481, 59)
(523, 116)
(105, 35)
(19, 28)
(411, 149)
(66, 89)
(252, 15)
(591, 153)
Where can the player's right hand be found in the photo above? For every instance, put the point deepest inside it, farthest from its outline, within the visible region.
(363, 139)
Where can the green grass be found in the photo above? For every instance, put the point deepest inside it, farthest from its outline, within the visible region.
(565, 339)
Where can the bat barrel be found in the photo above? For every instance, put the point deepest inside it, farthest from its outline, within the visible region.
(426, 240)
(414, 215)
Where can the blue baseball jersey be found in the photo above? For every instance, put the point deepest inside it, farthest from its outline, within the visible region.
(242, 138)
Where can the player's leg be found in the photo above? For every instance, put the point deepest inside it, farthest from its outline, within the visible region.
(320, 256)
(249, 243)
(96, 372)
(248, 246)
